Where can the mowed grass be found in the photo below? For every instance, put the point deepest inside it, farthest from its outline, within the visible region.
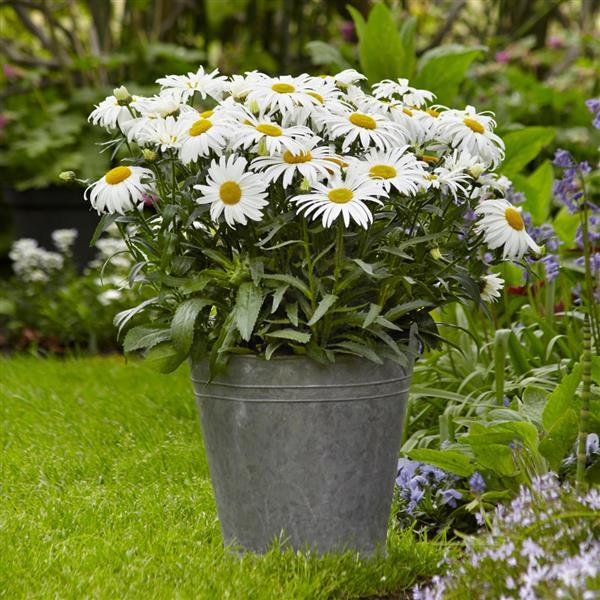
(106, 494)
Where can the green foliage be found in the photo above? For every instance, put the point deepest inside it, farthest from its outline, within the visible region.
(523, 145)
(537, 188)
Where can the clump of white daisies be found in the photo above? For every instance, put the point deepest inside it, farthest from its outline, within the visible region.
(311, 214)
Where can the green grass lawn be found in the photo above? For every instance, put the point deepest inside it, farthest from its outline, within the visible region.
(106, 494)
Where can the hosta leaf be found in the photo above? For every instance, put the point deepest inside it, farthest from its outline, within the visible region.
(184, 320)
(560, 439)
(247, 306)
(324, 305)
(562, 398)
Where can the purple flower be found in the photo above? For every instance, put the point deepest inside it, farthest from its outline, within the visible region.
(563, 159)
(477, 483)
(555, 42)
(515, 197)
(502, 57)
(551, 266)
(596, 121)
(593, 105)
(449, 497)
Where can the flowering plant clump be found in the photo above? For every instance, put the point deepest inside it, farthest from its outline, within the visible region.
(544, 544)
(49, 306)
(301, 214)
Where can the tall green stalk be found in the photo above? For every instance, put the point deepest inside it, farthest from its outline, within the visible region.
(586, 363)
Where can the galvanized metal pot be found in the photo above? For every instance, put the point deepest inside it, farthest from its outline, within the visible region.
(303, 450)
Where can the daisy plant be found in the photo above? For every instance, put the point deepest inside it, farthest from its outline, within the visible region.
(301, 215)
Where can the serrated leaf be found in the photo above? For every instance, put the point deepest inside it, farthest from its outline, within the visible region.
(326, 303)
(290, 334)
(447, 460)
(278, 296)
(122, 318)
(142, 337)
(291, 310)
(291, 280)
(360, 350)
(247, 306)
(374, 310)
(183, 323)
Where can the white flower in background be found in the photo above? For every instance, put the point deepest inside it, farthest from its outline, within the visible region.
(368, 129)
(491, 286)
(393, 168)
(341, 196)
(31, 263)
(264, 130)
(201, 136)
(502, 225)
(109, 296)
(111, 113)
(312, 163)
(233, 192)
(115, 250)
(473, 132)
(63, 239)
(120, 190)
(239, 86)
(283, 93)
(400, 89)
(201, 82)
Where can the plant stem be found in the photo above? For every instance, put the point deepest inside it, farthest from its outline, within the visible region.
(586, 376)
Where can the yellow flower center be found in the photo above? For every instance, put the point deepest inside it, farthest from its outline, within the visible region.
(474, 125)
(430, 177)
(268, 129)
(230, 193)
(283, 88)
(514, 218)
(429, 158)
(382, 171)
(117, 175)
(207, 114)
(340, 195)
(294, 159)
(363, 121)
(199, 127)
(407, 111)
(433, 113)
(317, 97)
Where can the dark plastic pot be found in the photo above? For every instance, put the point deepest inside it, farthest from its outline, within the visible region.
(37, 213)
(302, 450)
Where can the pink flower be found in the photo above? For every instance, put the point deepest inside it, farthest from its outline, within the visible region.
(554, 42)
(347, 31)
(502, 57)
(9, 71)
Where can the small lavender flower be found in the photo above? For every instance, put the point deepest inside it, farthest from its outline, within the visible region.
(551, 266)
(477, 483)
(593, 105)
(449, 497)
(562, 158)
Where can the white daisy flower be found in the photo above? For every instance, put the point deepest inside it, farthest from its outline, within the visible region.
(239, 86)
(400, 89)
(396, 168)
(167, 133)
(202, 135)
(347, 77)
(312, 163)
(345, 196)
(490, 286)
(502, 225)
(473, 132)
(448, 180)
(120, 190)
(283, 93)
(185, 86)
(111, 113)
(276, 138)
(369, 129)
(233, 192)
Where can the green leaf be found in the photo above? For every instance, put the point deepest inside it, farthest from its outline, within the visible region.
(326, 303)
(444, 68)
(184, 320)
(322, 53)
(247, 306)
(451, 461)
(291, 280)
(141, 337)
(361, 350)
(278, 296)
(560, 439)
(562, 398)
(380, 47)
(523, 145)
(407, 34)
(596, 369)
(164, 357)
(538, 191)
(291, 310)
(290, 334)
(374, 310)
(359, 20)
(534, 399)
(494, 457)
(105, 222)
(565, 225)
(402, 309)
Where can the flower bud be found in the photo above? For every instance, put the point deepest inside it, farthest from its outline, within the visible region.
(476, 170)
(305, 185)
(122, 95)
(262, 148)
(67, 176)
(435, 253)
(149, 155)
(254, 107)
